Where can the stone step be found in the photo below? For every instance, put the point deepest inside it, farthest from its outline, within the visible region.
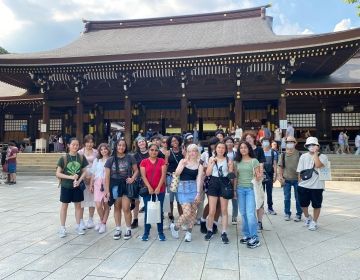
(346, 179)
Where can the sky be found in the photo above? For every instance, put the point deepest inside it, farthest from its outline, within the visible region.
(38, 25)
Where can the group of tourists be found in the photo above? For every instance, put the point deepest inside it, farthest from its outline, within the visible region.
(175, 169)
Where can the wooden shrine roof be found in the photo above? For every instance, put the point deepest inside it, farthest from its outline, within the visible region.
(229, 32)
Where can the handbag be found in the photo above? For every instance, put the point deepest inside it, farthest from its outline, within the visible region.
(132, 189)
(82, 185)
(258, 190)
(227, 190)
(174, 183)
(306, 174)
(153, 212)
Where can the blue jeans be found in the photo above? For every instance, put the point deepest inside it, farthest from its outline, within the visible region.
(247, 208)
(160, 226)
(235, 208)
(287, 197)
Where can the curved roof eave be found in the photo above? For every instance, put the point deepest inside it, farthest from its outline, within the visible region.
(290, 44)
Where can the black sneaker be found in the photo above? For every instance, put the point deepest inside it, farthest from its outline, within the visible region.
(142, 209)
(208, 235)
(172, 219)
(253, 243)
(117, 234)
(244, 240)
(203, 228)
(224, 238)
(215, 229)
(134, 224)
(260, 226)
(127, 235)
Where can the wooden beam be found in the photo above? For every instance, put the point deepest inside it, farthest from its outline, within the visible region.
(238, 112)
(282, 108)
(46, 119)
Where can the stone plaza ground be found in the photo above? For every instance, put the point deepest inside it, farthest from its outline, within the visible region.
(31, 249)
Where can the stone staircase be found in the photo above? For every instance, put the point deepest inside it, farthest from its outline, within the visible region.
(345, 167)
(32, 164)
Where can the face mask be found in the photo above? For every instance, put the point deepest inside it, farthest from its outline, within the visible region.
(266, 144)
(290, 145)
(312, 149)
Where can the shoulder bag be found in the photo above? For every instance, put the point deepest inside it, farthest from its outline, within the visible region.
(258, 190)
(227, 190)
(175, 179)
(306, 174)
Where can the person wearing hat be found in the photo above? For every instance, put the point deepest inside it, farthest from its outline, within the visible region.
(188, 139)
(310, 187)
(288, 177)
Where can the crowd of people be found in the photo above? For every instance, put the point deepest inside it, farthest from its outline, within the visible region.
(200, 181)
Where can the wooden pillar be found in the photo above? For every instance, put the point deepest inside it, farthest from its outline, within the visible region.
(2, 125)
(282, 108)
(79, 119)
(184, 113)
(238, 111)
(128, 125)
(46, 119)
(99, 124)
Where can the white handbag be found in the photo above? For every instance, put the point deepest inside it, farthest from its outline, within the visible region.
(325, 172)
(258, 191)
(153, 212)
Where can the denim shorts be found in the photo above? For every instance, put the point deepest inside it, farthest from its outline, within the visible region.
(12, 167)
(187, 191)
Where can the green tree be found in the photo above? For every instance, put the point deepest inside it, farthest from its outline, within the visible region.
(354, 2)
(3, 51)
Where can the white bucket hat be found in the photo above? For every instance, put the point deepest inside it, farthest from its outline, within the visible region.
(311, 141)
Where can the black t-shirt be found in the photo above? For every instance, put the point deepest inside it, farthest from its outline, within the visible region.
(124, 167)
(139, 156)
(259, 154)
(161, 155)
(174, 160)
(188, 174)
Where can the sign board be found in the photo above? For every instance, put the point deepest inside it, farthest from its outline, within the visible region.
(43, 127)
(283, 124)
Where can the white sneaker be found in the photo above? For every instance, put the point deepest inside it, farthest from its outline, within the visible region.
(90, 223)
(97, 226)
(80, 231)
(102, 228)
(82, 225)
(287, 218)
(307, 221)
(184, 227)
(313, 226)
(187, 237)
(62, 232)
(174, 233)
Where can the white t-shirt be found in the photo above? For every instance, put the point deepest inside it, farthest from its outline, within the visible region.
(238, 133)
(98, 169)
(306, 161)
(290, 131)
(357, 141)
(278, 135)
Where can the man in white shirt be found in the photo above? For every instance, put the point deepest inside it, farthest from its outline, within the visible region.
(357, 144)
(290, 130)
(310, 187)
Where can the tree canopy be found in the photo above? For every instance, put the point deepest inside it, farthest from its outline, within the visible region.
(354, 2)
(3, 51)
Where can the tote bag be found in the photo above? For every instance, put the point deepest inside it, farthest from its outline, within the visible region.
(153, 212)
(258, 190)
(325, 172)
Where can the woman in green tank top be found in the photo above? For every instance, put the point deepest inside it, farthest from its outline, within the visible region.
(246, 167)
